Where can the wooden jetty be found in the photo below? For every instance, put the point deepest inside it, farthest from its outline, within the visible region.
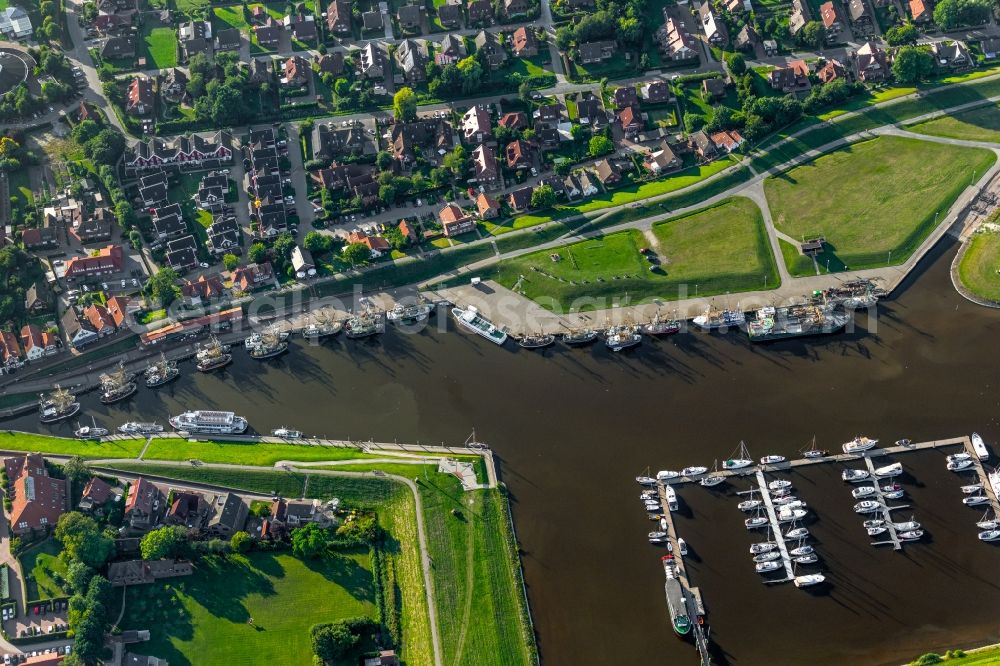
(779, 538)
(885, 510)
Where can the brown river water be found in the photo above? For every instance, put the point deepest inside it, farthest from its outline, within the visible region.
(572, 428)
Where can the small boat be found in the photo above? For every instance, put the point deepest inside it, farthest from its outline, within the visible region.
(813, 452)
(653, 515)
(663, 525)
(797, 533)
(809, 580)
(538, 341)
(989, 535)
(854, 475)
(780, 483)
(657, 535)
(739, 459)
(863, 491)
(876, 522)
(904, 442)
(972, 488)
(781, 492)
(956, 457)
(791, 503)
(693, 471)
(135, 428)
(755, 522)
(979, 446)
(859, 444)
(749, 505)
(763, 547)
(768, 556)
(959, 465)
(811, 558)
(682, 546)
(894, 494)
(765, 567)
(666, 474)
(895, 469)
(647, 494)
(875, 531)
(659, 540)
(645, 480)
(787, 500)
(620, 338)
(791, 515)
(975, 500)
(671, 498)
(710, 481)
(90, 432)
(802, 550)
(867, 506)
(658, 326)
(991, 524)
(911, 535)
(651, 504)
(772, 460)
(579, 338)
(906, 526)
(891, 487)
(287, 433)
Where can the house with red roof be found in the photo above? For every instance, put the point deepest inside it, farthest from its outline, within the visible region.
(39, 499)
(100, 319)
(118, 306)
(106, 261)
(11, 352)
(455, 221)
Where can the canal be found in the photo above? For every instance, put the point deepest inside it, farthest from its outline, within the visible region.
(572, 428)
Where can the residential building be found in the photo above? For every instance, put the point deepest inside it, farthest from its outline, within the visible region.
(513, 120)
(592, 53)
(295, 72)
(831, 70)
(253, 276)
(39, 238)
(269, 33)
(587, 185)
(524, 44)
(871, 63)
(96, 494)
(663, 159)
(455, 221)
(182, 253)
(119, 307)
(487, 206)
(512, 8)
(727, 140)
(195, 150)
(411, 56)
(143, 505)
(168, 222)
(373, 62)
(625, 96)
(476, 124)
(140, 98)
(829, 14)
(800, 15)
(715, 29)
(38, 499)
(372, 21)
(520, 199)
(302, 27)
(590, 111)
(302, 263)
(794, 78)
(10, 352)
(747, 39)
(173, 86)
(144, 572)
(31, 340)
(608, 173)
(450, 16)
(920, 11)
(410, 17)
(488, 44)
(107, 261)
(188, 509)
(100, 319)
(331, 63)
(485, 168)
(38, 298)
(480, 12)
(519, 154)
(229, 39)
(862, 19)
(224, 235)
(631, 121)
(79, 334)
(703, 146)
(451, 50)
(202, 290)
(377, 244)
(656, 92)
(230, 516)
(951, 54)
(119, 47)
(431, 135)
(15, 23)
(195, 37)
(338, 17)
(714, 88)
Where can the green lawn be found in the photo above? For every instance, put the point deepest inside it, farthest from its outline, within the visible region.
(716, 250)
(150, 316)
(873, 197)
(980, 657)
(160, 48)
(192, 7)
(19, 184)
(982, 124)
(246, 453)
(128, 448)
(980, 265)
(205, 618)
(42, 565)
(229, 17)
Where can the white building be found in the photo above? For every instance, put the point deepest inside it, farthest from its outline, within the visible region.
(14, 22)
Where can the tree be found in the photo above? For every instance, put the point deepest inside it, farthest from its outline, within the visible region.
(283, 246)
(912, 64)
(471, 72)
(76, 470)
(524, 92)
(257, 253)
(85, 131)
(898, 35)
(163, 286)
(577, 132)
(82, 539)
(241, 542)
(383, 159)
(135, 239)
(543, 197)
(357, 253)
(600, 145)
(311, 541)
(736, 63)
(951, 14)
(340, 641)
(164, 542)
(693, 121)
(813, 34)
(10, 151)
(316, 242)
(106, 147)
(404, 104)
(78, 576)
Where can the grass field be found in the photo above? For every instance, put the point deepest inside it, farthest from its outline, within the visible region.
(716, 250)
(128, 448)
(41, 565)
(160, 48)
(982, 124)
(980, 657)
(205, 618)
(246, 453)
(20, 188)
(873, 197)
(979, 266)
(229, 17)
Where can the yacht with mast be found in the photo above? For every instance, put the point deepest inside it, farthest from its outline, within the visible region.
(91, 431)
(162, 372)
(212, 356)
(814, 452)
(117, 386)
(739, 459)
(57, 406)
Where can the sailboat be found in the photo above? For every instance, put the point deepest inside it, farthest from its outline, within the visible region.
(645, 479)
(988, 523)
(813, 451)
(739, 459)
(91, 431)
(712, 479)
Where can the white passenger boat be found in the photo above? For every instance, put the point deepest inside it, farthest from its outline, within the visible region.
(749, 505)
(772, 460)
(287, 433)
(979, 446)
(867, 506)
(989, 535)
(888, 471)
(209, 422)
(859, 444)
(854, 475)
(809, 580)
(765, 567)
(863, 491)
(693, 471)
(666, 475)
(797, 533)
(471, 320)
(762, 547)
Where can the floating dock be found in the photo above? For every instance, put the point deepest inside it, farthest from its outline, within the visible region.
(885, 511)
(779, 538)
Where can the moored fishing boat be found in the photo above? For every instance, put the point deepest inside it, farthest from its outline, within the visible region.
(116, 386)
(212, 356)
(409, 314)
(620, 338)
(160, 373)
(57, 406)
(136, 428)
(719, 319)
(365, 324)
(287, 433)
(659, 327)
(267, 345)
(581, 337)
(536, 341)
(324, 325)
(793, 321)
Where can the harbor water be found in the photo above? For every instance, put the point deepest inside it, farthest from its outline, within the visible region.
(572, 428)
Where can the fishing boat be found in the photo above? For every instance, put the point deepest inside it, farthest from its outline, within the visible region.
(136, 428)
(979, 446)
(765, 567)
(907, 526)
(859, 444)
(875, 531)
(409, 314)
(814, 452)
(749, 505)
(975, 500)
(536, 341)
(889, 471)
(809, 580)
(620, 338)
(863, 491)
(797, 533)
(676, 602)
(470, 319)
(854, 475)
(160, 373)
(811, 558)
(287, 433)
(719, 319)
(671, 496)
(212, 356)
(695, 470)
(739, 459)
(867, 506)
(268, 345)
(117, 386)
(875, 522)
(779, 484)
(209, 422)
(768, 556)
(959, 465)
(793, 321)
(366, 324)
(989, 535)
(911, 535)
(971, 488)
(762, 547)
(581, 337)
(659, 327)
(90, 432)
(755, 522)
(57, 406)
(772, 460)
(323, 326)
(667, 474)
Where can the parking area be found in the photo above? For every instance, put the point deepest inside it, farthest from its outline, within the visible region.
(43, 618)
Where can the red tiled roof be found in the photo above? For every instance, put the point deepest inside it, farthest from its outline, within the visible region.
(99, 317)
(451, 213)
